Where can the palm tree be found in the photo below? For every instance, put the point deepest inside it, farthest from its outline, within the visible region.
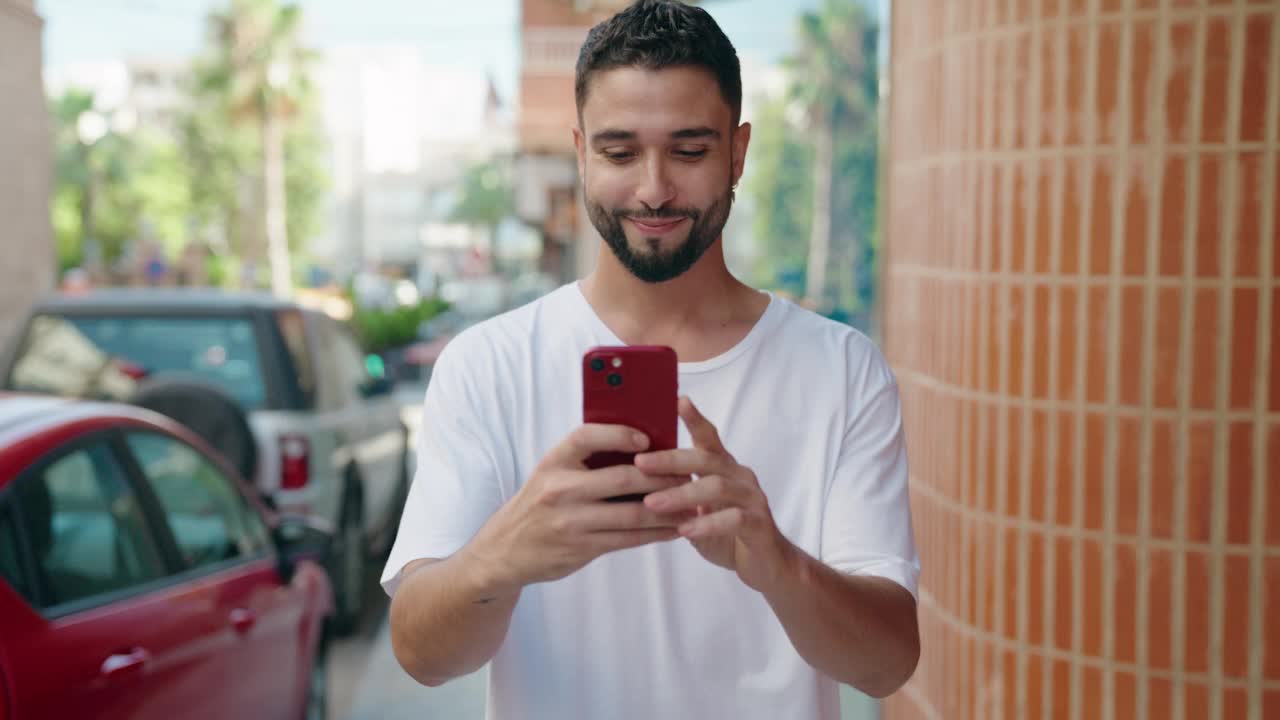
(828, 75)
(260, 65)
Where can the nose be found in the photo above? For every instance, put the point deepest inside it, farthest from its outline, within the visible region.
(655, 189)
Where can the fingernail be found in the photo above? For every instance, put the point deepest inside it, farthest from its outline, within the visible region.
(641, 440)
(655, 502)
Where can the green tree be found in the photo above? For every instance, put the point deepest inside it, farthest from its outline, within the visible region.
(91, 203)
(834, 80)
(72, 197)
(221, 155)
(486, 196)
(109, 185)
(831, 263)
(161, 184)
(257, 74)
(780, 183)
(305, 176)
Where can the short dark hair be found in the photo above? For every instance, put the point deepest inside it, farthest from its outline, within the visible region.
(657, 34)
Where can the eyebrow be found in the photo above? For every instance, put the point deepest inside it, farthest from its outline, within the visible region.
(696, 133)
(692, 133)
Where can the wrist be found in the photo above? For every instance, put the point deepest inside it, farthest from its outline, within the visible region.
(790, 569)
(489, 576)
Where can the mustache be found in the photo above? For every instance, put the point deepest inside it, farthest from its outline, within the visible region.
(659, 214)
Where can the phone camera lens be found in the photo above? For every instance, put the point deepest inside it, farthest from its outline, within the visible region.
(615, 379)
(597, 364)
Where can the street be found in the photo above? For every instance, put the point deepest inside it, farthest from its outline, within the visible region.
(366, 683)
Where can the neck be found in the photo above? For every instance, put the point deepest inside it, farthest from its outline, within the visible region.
(703, 300)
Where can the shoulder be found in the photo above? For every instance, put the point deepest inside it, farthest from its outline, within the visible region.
(486, 347)
(832, 347)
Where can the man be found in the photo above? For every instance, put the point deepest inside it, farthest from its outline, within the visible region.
(788, 563)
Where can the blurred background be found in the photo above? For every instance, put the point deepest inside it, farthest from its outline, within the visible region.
(1058, 217)
(373, 158)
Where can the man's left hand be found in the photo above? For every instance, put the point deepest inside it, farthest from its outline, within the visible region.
(734, 527)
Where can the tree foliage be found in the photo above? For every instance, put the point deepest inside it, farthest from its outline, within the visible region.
(832, 82)
(201, 178)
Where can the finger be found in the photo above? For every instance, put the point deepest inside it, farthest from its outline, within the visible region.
(701, 431)
(684, 461)
(707, 492)
(600, 517)
(728, 522)
(592, 438)
(611, 540)
(625, 480)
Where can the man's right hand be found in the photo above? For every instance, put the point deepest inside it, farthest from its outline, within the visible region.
(560, 520)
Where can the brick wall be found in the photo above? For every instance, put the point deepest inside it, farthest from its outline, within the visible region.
(1083, 312)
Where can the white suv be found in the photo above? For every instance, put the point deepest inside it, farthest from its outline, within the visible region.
(282, 391)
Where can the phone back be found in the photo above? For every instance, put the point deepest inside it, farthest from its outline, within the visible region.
(635, 386)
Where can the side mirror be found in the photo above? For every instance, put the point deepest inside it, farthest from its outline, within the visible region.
(376, 387)
(299, 537)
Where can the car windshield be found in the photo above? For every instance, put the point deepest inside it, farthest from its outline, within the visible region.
(109, 357)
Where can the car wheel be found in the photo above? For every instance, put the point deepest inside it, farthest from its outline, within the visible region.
(207, 411)
(317, 707)
(347, 566)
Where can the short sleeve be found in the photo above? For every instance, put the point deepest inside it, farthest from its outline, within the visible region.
(456, 486)
(866, 527)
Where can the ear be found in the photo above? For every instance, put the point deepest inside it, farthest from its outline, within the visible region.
(580, 147)
(741, 139)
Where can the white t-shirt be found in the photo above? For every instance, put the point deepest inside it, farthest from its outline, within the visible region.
(658, 631)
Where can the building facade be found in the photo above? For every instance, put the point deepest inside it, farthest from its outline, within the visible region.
(26, 235)
(548, 189)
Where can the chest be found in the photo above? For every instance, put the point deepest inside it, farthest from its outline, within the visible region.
(785, 427)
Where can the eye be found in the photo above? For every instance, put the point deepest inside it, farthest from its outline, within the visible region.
(690, 154)
(618, 156)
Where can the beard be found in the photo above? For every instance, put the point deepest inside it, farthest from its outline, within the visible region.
(655, 265)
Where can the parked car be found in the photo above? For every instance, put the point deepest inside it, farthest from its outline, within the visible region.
(141, 578)
(317, 434)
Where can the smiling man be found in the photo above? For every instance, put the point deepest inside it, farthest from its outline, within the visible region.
(786, 566)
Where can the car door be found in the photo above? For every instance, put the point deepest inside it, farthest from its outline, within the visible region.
(371, 424)
(107, 633)
(225, 550)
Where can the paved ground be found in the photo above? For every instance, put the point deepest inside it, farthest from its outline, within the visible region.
(367, 684)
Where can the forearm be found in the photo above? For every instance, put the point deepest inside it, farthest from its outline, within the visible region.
(859, 630)
(447, 620)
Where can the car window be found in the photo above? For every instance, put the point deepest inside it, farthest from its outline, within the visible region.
(344, 365)
(350, 357)
(293, 329)
(105, 357)
(10, 563)
(85, 527)
(210, 520)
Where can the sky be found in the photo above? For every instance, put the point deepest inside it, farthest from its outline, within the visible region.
(473, 34)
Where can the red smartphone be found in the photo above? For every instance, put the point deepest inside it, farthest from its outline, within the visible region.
(636, 386)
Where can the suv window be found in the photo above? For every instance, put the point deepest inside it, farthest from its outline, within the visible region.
(346, 370)
(210, 520)
(293, 329)
(85, 527)
(105, 357)
(351, 360)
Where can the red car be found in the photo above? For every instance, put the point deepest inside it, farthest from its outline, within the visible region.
(140, 578)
